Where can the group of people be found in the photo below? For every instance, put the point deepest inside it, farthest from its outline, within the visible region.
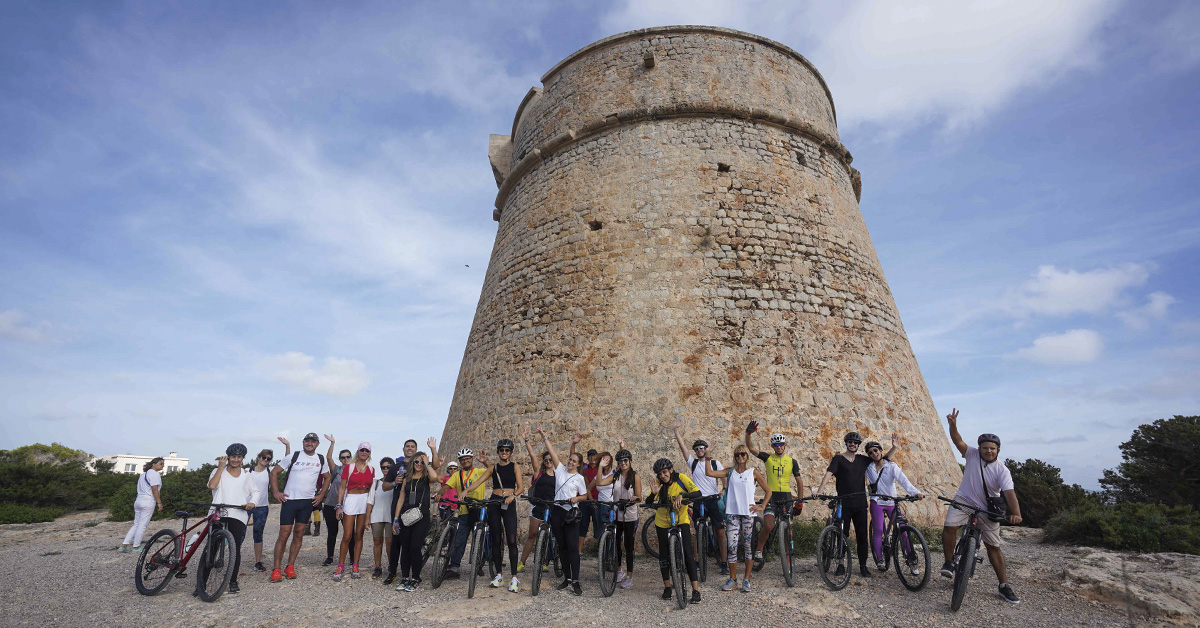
(398, 502)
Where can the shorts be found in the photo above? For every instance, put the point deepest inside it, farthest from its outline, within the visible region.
(381, 530)
(538, 513)
(295, 511)
(714, 509)
(355, 504)
(990, 529)
(776, 500)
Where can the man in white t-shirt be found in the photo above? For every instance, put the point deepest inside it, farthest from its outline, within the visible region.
(298, 498)
(983, 476)
(709, 487)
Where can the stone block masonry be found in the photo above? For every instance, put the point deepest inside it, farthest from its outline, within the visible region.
(679, 236)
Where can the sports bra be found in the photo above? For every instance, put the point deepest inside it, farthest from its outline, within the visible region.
(504, 476)
(355, 479)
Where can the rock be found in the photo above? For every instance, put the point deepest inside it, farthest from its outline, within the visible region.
(1161, 586)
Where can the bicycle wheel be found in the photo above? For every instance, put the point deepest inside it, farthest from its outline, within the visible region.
(158, 562)
(608, 563)
(833, 558)
(678, 571)
(962, 575)
(554, 561)
(430, 542)
(441, 555)
(758, 528)
(911, 556)
(703, 534)
(785, 551)
(541, 553)
(477, 542)
(216, 565)
(487, 555)
(650, 538)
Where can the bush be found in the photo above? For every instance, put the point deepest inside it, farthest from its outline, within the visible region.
(1042, 492)
(177, 488)
(64, 485)
(1129, 526)
(804, 536)
(20, 513)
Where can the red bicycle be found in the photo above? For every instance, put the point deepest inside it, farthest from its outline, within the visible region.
(167, 553)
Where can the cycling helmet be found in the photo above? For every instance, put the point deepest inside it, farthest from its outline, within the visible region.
(852, 437)
(778, 439)
(871, 444)
(236, 449)
(465, 451)
(624, 455)
(700, 442)
(504, 444)
(663, 463)
(983, 438)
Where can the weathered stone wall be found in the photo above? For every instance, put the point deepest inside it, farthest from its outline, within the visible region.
(698, 259)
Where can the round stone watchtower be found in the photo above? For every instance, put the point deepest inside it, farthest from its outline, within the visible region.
(679, 237)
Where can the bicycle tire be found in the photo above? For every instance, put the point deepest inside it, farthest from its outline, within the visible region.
(759, 563)
(555, 561)
(476, 556)
(702, 540)
(540, 551)
(441, 556)
(650, 538)
(962, 575)
(832, 552)
(913, 536)
(675, 543)
(217, 559)
(608, 563)
(492, 567)
(786, 562)
(153, 561)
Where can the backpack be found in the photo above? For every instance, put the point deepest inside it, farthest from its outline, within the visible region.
(712, 463)
(320, 476)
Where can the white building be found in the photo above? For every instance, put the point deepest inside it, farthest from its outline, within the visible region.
(128, 463)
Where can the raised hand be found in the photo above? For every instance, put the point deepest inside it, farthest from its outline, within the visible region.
(952, 418)
(284, 441)
(482, 456)
(576, 438)
(677, 424)
(329, 437)
(540, 431)
(620, 443)
(222, 460)
(752, 427)
(432, 442)
(525, 432)
(895, 439)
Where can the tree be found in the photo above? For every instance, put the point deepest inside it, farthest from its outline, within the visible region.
(1160, 464)
(55, 453)
(1042, 492)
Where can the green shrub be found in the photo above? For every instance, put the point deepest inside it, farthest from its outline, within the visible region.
(804, 536)
(1129, 526)
(1042, 492)
(20, 513)
(177, 488)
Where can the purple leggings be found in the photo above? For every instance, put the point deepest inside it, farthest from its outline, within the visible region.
(878, 524)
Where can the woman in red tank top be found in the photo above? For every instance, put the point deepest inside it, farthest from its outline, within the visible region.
(352, 507)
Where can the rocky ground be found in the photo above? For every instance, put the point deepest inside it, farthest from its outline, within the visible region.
(68, 573)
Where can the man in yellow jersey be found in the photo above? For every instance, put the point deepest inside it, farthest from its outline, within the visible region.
(781, 468)
(466, 474)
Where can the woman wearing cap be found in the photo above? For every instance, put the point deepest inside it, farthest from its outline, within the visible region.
(231, 484)
(148, 487)
(377, 515)
(357, 478)
(624, 483)
(568, 485)
(507, 483)
(543, 488)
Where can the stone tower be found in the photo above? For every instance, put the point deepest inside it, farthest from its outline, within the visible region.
(679, 237)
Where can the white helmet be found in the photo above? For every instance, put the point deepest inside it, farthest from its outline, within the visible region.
(464, 452)
(778, 439)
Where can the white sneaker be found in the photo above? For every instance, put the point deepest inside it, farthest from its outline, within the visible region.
(512, 586)
(620, 575)
(627, 581)
(758, 555)
(498, 580)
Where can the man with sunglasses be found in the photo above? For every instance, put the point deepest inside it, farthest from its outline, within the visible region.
(849, 469)
(298, 497)
(699, 461)
(781, 468)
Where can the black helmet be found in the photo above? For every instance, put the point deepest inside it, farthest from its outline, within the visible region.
(663, 463)
(700, 442)
(504, 443)
(236, 449)
(624, 454)
(870, 444)
(852, 437)
(983, 438)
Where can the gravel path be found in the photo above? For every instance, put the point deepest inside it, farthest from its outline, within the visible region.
(67, 573)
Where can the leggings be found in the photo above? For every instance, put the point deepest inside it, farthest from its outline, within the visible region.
(411, 539)
(568, 542)
(664, 554)
(143, 510)
(738, 527)
(331, 529)
(508, 516)
(260, 522)
(856, 514)
(238, 530)
(879, 520)
(626, 531)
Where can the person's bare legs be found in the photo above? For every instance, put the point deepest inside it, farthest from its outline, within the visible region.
(347, 534)
(996, 557)
(281, 544)
(297, 543)
(530, 538)
(949, 538)
(768, 525)
(360, 524)
(749, 567)
(377, 550)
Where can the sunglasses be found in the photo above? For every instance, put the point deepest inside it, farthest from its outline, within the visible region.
(343, 457)
(416, 462)
(267, 458)
(386, 467)
(740, 455)
(623, 461)
(506, 450)
(365, 449)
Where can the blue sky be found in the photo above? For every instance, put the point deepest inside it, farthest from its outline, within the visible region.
(231, 221)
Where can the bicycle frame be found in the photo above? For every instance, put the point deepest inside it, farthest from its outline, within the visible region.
(207, 521)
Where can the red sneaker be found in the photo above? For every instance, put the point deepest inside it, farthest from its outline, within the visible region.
(290, 572)
(276, 576)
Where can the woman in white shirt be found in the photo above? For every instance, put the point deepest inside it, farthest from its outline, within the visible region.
(740, 511)
(883, 475)
(143, 507)
(231, 484)
(378, 502)
(569, 485)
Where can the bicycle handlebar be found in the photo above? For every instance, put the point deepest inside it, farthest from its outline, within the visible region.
(906, 498)
(546, 502)
(964, 506)
(836, 498)
(205, 505)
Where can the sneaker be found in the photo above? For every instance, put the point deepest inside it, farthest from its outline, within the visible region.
(290, 572)
(498, 581)
(1006, 592)
(914, 569)
(259, 567)
(375, 575)
(520, 567)
(840, 571)
(864, 572)
(451, 575)
(695, 596)
(136, 548)
(562, 585)
(745, 586)
(276, 575)
(576, 588)
(620, 575)
(412, 585)
(403, 585)
(122, 549)
(880, 565)
(391, 577)
(666, 593)
(947, 570)
(627, 582)
(724, 569)
(233, 587)
(512, 586)
(337, 574)
(354, 572)
(758, 555)
(729, 585)
(327, 562)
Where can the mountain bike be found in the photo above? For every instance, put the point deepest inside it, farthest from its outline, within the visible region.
(544, 548)
(481, 541)
(167, 553)
(833, 548)
(902, 539)
(444, 545)
(679, 581)
(650, 538)
(966, 551)
(607, 551)
(779, 541)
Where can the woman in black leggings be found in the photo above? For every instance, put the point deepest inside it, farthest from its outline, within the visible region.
(627, 484)
(507, 483)
(570, 485)
(414, 494)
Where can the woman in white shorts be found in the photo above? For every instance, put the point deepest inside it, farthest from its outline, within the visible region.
(378, 506)
(357, 478)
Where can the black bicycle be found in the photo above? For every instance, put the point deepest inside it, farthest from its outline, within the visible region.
(833, 548)
(444, 545)
(966, 551)
(480, 542)
(903, 540)
(779, 542)
(650, 538)
(675, 560)
(544, 548)
(607, 551)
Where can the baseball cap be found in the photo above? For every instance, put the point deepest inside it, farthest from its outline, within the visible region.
(592, 452)
(312, 436)
(364, 445)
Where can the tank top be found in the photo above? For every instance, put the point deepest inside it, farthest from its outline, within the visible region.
(605, 493)
(619, 493)
(543, 486)
(504, 476)
(417, 496)
(356, 479)
(740, 492)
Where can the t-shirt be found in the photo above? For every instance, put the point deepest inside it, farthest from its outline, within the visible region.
(379, 500)
(662, 516)
(708, 486)
(335, 485)
(399, 468)
(148, 479)
(302, 479)
(568, 485)
(450, 494)
(605, 493)
(461, 479)
(231, 490)
(997, 475)
(777, 472)
(589, 474)
(850, 476)
(262, 483)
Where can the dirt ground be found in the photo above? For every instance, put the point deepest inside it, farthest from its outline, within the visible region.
(68, 573)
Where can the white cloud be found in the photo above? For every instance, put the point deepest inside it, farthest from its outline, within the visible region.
(13, 325)
(1077, 346)
(1154, 310)
(337, 376)
(1055, 292)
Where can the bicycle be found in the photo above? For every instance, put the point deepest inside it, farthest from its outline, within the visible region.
(779, 541)
(166, 554)
(650, 539)
(481, 542)
(898, 537)
(606, 553)
(966, 551)
(544, 548)
(675, 556)
(833, 548)
(444, 545)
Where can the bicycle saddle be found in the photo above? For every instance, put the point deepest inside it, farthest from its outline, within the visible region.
(183, 513)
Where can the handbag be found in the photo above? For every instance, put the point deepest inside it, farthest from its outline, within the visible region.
(411, 516)
(997, 506)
